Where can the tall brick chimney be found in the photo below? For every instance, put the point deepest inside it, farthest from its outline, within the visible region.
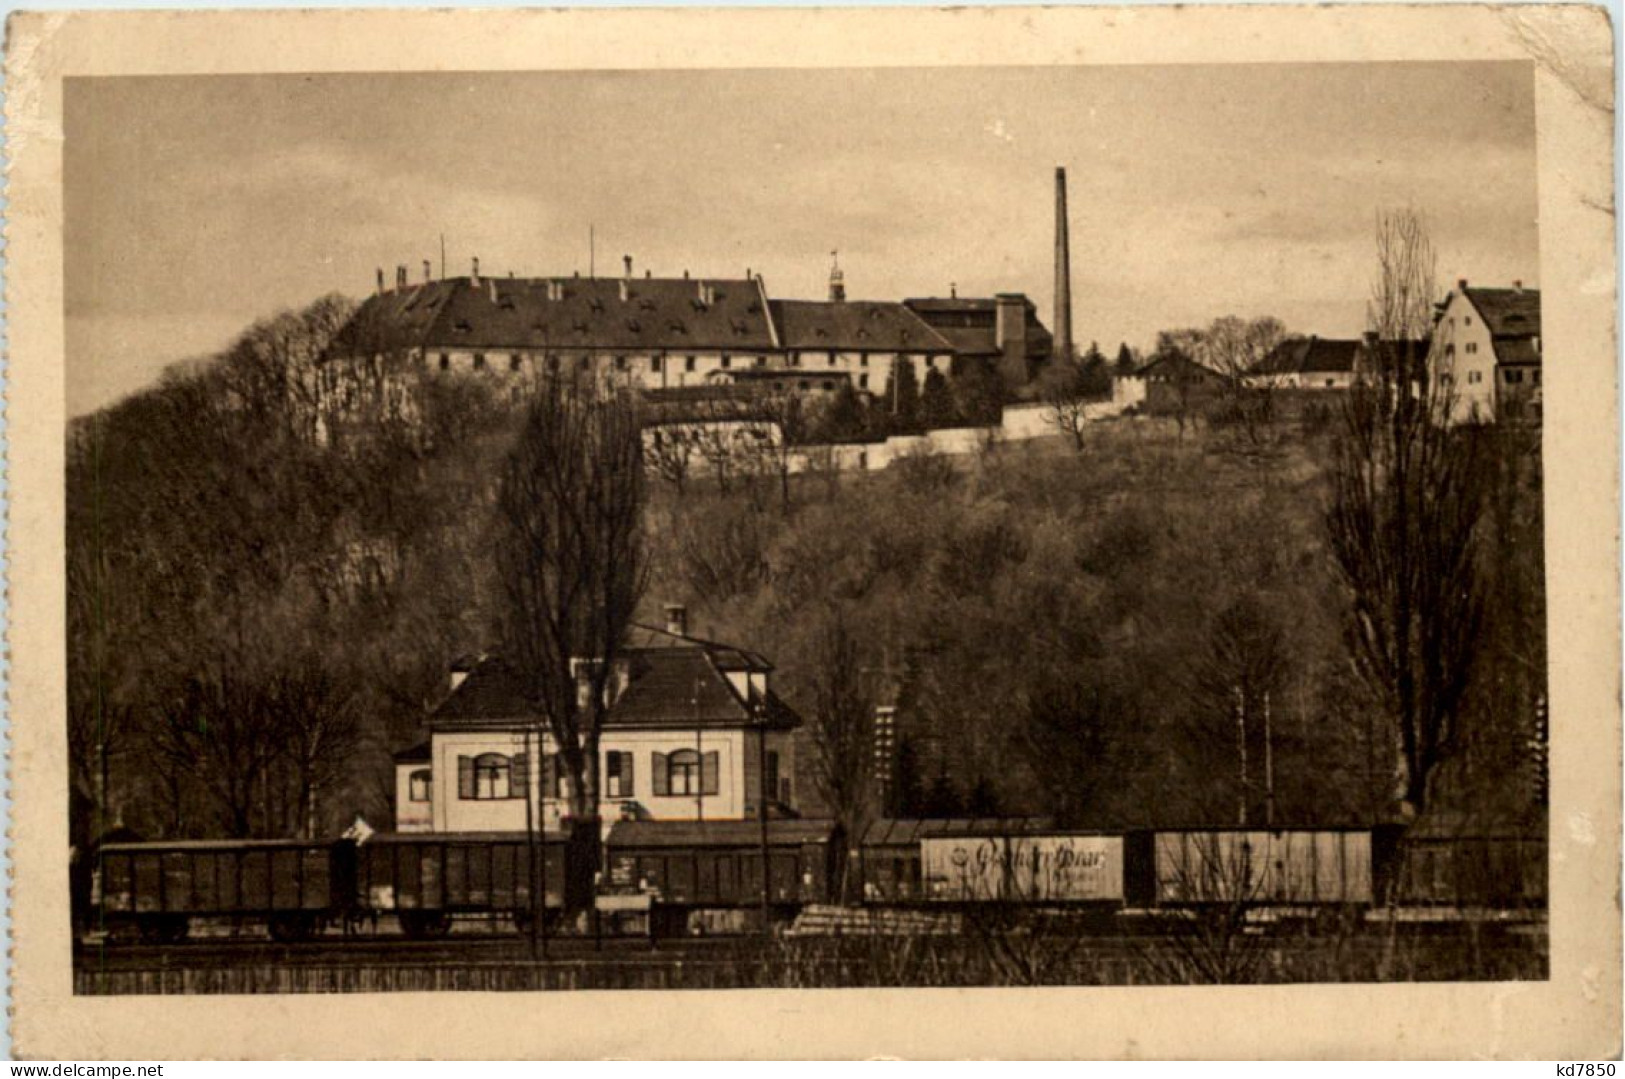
(1063, 271)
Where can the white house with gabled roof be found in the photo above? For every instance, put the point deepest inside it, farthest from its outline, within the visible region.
(1486, 352)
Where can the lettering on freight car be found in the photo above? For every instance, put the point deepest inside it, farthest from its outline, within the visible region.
(1058, 868)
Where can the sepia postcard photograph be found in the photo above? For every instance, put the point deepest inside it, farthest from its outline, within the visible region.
(1068, 507)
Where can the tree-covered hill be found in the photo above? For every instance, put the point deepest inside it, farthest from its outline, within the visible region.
(1149, 628)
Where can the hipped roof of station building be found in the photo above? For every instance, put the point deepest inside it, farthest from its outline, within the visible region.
(674, 681)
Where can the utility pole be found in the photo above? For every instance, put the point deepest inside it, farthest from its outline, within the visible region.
(1269, 767)
(442, 256)
(1241, 742)
(761, 812)
(699, 754)
(538, 879)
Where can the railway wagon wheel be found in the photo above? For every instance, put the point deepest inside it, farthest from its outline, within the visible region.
(524, 919)
(425, 924)
(163, 929)
(292, 928)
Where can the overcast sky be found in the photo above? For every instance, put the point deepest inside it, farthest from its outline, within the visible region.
(198, 204)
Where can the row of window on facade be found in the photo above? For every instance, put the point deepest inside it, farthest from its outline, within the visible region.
(516, 362)
(1512, 376)
(497, 776)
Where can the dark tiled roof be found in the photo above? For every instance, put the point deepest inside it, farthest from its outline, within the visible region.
(1516, 350)
(673, 681)
(1508, 312)
(970, 324)
(413, 754)
(745, 833)
(854, 326)
(951, 304)
(1175, 364)
(589, 312)
(1311, 355)
(972, 340)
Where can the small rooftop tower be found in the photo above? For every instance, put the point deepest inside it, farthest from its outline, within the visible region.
(837, 279)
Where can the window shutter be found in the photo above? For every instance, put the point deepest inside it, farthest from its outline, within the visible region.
(708, 774)
(626, 775)
(521, 775)
(465, 777)
(661, 779)
(555, 773)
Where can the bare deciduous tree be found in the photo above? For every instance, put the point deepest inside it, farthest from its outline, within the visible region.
(842, 726)
(1231, 687)
(1067, 736)
(1234, 347)
(571, 560)
(317, 713)
(1407, 495)
(1066, 400)
(218, 729)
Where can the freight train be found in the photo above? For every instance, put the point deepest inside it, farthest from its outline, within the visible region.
(685, 877)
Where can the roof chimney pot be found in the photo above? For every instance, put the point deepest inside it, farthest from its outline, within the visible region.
(627, 259)
(1517, 286)
(428, 272)
(380, 280)
(1461, 284)
(475, 276)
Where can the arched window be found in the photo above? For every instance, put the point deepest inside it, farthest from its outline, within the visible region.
(484, 778)
(686, 772)
(683, 767)
(419, 786)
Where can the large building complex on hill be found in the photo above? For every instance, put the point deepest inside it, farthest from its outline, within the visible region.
(669, 333)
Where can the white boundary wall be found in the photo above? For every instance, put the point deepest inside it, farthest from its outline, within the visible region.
(1020, 423)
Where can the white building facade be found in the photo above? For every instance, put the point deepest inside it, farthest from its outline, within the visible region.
(694, 732)
(1486, 352)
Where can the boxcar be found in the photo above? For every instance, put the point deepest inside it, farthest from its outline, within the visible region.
(885, 867)
(1055, 868)
(1253, 867)
(428, 878)
(295, 886)
(708, 874)
(1451, 864)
